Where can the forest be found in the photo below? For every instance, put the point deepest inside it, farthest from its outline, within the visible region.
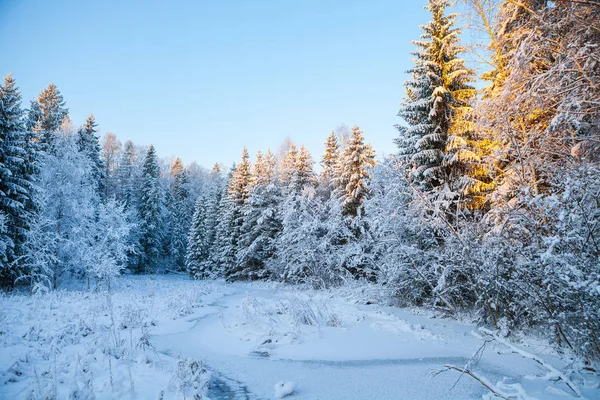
(490, 207)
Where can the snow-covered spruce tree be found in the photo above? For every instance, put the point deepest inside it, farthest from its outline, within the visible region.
(128, 177)
(198, 250)
(16, 187)
(238, 192)
(50, 111)
(149, 213)
(221, 252)
(353, 173)
(303, 215)
(303, 174)
(435, 99)
(351, 184)
(310, 247)
(261, 222)
(216, 188)
(329, 162)
(180, 209)
(89, 144)
(287, 165)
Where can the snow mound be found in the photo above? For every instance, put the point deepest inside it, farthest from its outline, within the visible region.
(284, 388)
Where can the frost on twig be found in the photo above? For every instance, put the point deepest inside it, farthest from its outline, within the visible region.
(552, 373)
(503, 390)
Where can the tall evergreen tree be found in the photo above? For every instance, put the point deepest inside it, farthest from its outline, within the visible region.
(89, 144)
(435, 100)
(198, 250)
(51, 111)
(16, 188)
(329, 162)
(180, 209)
(288, 165)
(238, 192)
(223, 250)
(217, 186)
(149, 212)
(353, 173)
(261, 222)
(303, 174)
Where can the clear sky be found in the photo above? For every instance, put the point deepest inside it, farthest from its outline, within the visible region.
(201, 79)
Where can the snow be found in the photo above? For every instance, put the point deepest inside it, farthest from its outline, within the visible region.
(283, 389)
(169, 335)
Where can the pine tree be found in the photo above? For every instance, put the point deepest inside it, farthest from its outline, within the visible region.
(353, 173)
(150, 213)
(89, 145)
(435, 98)
(16, 187)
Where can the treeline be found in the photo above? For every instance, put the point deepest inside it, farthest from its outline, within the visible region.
(492, 203)
(74, 206)
(278, 219)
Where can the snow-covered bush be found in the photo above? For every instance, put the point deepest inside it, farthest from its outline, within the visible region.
(191, 378)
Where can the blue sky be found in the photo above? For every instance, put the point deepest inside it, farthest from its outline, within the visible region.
(201, 79)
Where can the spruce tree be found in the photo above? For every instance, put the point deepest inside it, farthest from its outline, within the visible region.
(328, 163)
(238, 192)
(51, 111)
(261, 222)
(180, 208)
(150, 213)
(287, 165)
(223, 250)
(353, 173)
(16, 176)
(263, 171)
(212, 224)
(259, 232)
(89, 144)
(435, 97)
(198, 250)
(303, 174)
(217, 185)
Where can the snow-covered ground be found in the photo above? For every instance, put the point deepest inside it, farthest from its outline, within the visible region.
(168, 337)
